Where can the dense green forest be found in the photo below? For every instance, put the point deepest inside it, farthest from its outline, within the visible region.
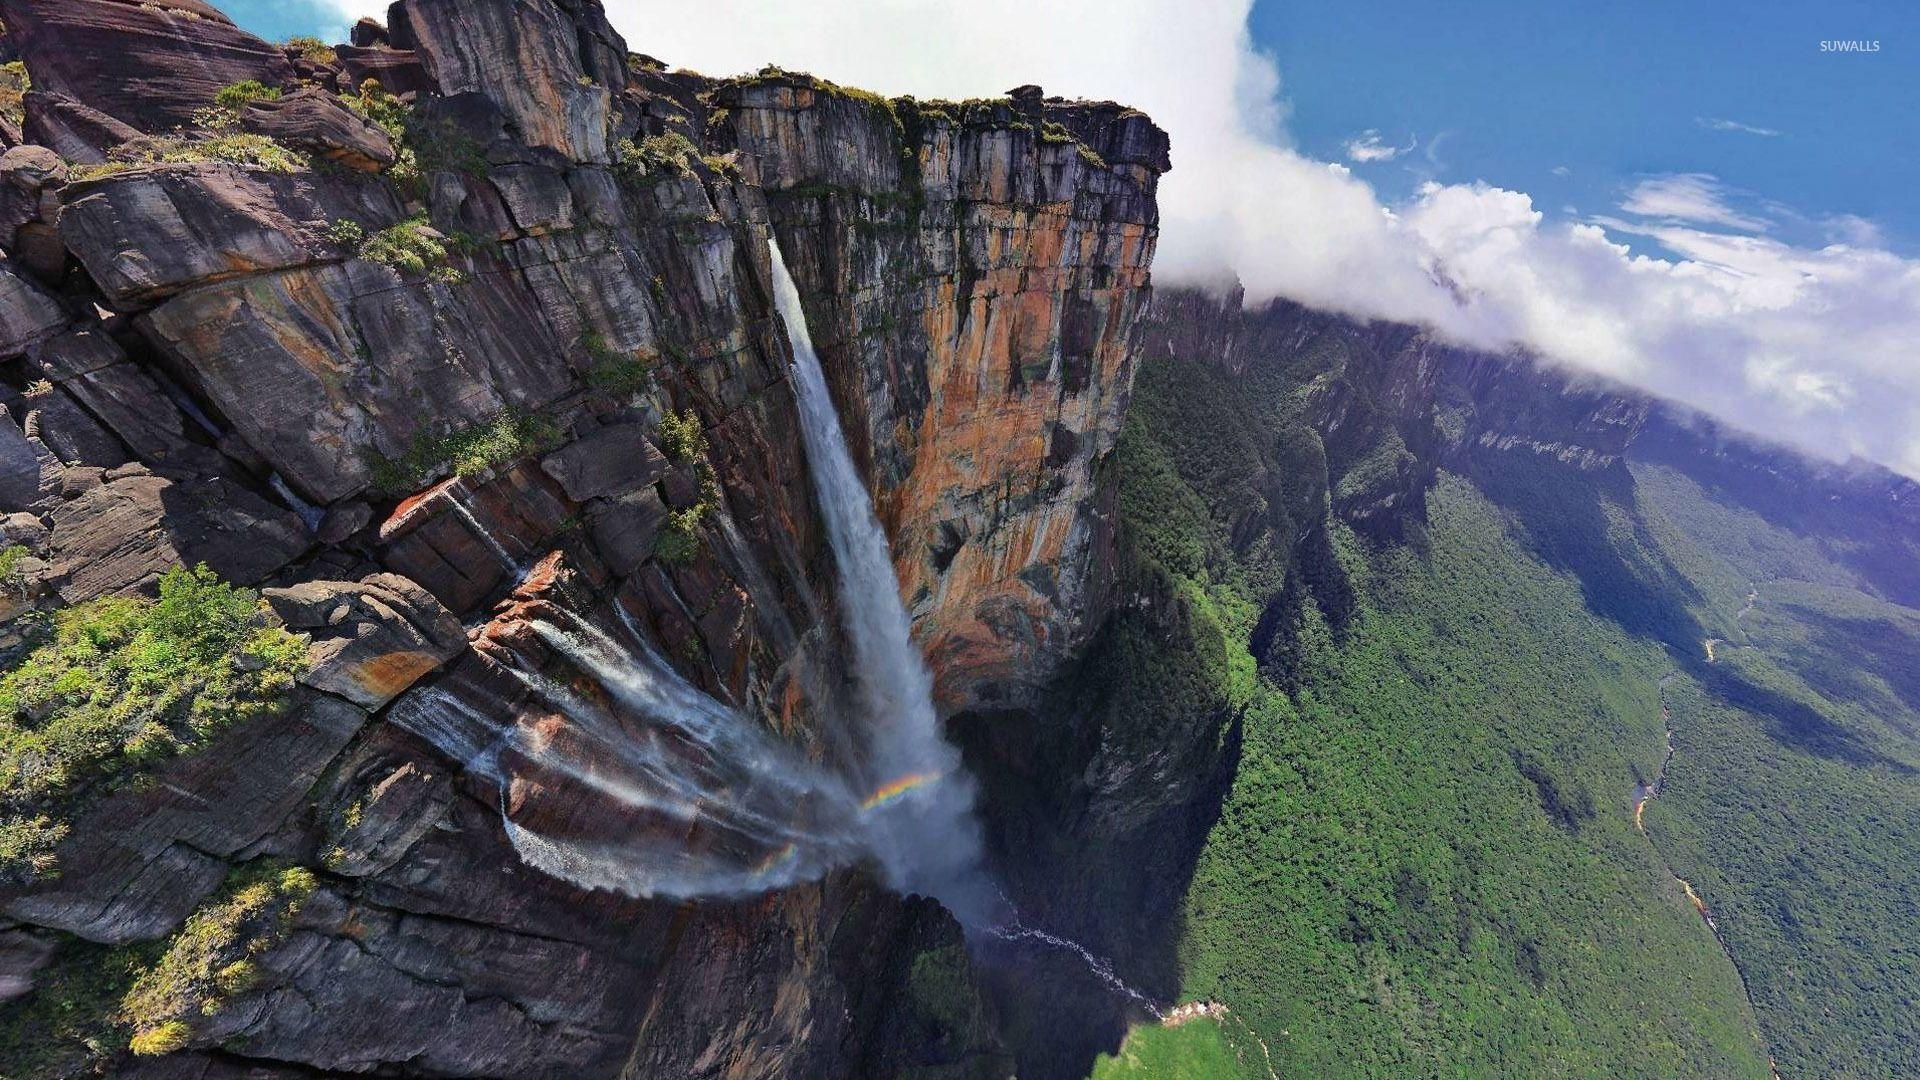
(1427, 862)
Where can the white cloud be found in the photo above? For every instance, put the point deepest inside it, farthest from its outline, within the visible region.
(1853, 230)
(1366, 148)
(1695, 197)
(348, 12)
(1819, 347)
(1719, 124)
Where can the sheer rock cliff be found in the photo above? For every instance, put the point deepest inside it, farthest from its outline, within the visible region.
(465, 332)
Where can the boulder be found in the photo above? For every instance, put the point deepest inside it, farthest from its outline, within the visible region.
(27, 173)
(344, 520)
(134, 525)
(371, 639)
(367, 33)
(398, 71)
(149, 233)
(27, 315)
(550, 69)
(315, 122)
(151, 65)
(624, 528)
(611, 460)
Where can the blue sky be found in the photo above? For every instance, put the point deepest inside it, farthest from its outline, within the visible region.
(277, 20)
(1612, 91)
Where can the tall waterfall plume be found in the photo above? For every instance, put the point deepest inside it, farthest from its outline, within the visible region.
(920, 818)
(701, 800)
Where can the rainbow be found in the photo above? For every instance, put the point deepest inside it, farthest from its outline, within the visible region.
(894, 790)
(776, 860)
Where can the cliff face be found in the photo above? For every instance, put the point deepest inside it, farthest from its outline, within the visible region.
(446, 371)
(978, 302)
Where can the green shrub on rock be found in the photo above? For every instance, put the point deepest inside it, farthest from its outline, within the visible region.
(310, 48)
(212, 958)
(506, 436)
(228, 147)
(119, 685)
(411, 246)
(241, 94)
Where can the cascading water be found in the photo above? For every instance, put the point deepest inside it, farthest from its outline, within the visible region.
(722, 808)
(920, 818)
(705, 801)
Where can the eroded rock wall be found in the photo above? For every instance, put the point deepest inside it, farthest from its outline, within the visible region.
(975, 275)
(508, 362)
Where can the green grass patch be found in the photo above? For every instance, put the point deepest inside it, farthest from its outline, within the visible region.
(1196, 1050)
(213, 957)
(242, 94)
(616, 373)
(224, 147)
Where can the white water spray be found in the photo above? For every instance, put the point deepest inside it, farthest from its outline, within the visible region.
(697, 801)
(513, 565)
(924, 833)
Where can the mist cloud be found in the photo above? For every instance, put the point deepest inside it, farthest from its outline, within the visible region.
(1680, 292)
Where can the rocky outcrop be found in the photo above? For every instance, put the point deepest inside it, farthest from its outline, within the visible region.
(550, 66)
(75, 131)
(501, 366)
(150, 65)
(371, 640)
(315, 122)
(147, 234)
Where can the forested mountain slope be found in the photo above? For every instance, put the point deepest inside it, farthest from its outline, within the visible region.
(1447, 609)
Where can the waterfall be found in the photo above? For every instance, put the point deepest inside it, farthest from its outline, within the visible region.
(709, 804)
(719, 806)
(920, 819)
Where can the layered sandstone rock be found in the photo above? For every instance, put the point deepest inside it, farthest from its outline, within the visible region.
(149, 64)
(466, 424)
(974, 276)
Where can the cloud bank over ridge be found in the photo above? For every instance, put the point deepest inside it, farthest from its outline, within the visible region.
(1681, 292)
